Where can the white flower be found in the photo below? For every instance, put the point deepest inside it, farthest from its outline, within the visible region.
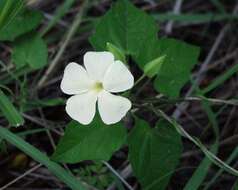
(95, 83)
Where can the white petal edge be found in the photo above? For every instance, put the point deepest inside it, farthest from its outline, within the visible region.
(118, 78)
(97, 63)
(75, 79)
(112, 108)
(82, 107)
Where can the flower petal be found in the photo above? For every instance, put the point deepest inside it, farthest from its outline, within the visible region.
(118, 78)
(97, 63)
(75, 79)
(82, 107)
(112, 108)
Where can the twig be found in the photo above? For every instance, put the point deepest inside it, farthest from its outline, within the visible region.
(40, 123)
(21, 176)
(69, 35)
(125, 173)
(176, 10)
(117, 174)
(233, 102)
(213, 100)
(52, 142)
(227, 128)
(217, 161)
(60, 22)
(177, 113)
(232, 55)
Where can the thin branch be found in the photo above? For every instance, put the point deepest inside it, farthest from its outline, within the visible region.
(125, 173)
(117, 174)
(176, 10)
(177, 113)
(21, 176)
(72, 30)
(185, 134)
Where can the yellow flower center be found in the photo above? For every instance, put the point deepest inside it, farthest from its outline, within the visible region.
(98, 86)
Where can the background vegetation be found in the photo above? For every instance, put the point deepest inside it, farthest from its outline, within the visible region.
(38, 39)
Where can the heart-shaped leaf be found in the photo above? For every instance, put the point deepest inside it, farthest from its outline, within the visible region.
(96, 141)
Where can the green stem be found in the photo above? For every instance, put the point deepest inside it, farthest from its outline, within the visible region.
(184, 133)
(233, 102)
(140, 79)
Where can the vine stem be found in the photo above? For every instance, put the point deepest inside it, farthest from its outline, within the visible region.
(140, 79)
(184, 133)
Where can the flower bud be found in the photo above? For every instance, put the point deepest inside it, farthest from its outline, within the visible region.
(152, 68)
(118, 53)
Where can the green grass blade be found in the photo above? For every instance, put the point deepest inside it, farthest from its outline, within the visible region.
(53, 167)
(9, 111)
(221, 79)
(235, 186)
(201, 172)
(233, 156)
(9, 11)
(60, 12)
(194, 18)
(218, 5)
(14, 75)
(196, 141)
(5, 11)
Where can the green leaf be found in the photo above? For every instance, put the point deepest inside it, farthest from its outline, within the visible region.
(9, 10)
(207, 153)
(23, 23)
(59, 13)
(154, 153)
(201, 172)
(30, 50)
(96, 141)
(9, 111)
(40, 157)
(135, 34)
(176, 69)
(126, 27)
